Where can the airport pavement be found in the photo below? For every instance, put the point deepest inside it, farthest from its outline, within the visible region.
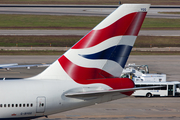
(168, 64)
(84, 32)
(156, 49)
(131, 108)
(35, 48)
(159, 33)
(79, 6)
(43, 32)
(66, 48)
(82, 10)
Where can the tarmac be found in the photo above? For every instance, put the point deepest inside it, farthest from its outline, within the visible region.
(84, 32)
(130, 108)
(66, 48)
(167, 64)
(80, 10)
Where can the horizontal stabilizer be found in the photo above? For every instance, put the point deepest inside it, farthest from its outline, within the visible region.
(23, 66)
(102, 92)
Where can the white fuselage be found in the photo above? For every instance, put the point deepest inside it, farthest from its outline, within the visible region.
(34, 98)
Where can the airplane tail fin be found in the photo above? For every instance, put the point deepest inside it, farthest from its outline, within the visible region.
(104, 51)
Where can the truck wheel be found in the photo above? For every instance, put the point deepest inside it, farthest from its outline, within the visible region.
(148, 95)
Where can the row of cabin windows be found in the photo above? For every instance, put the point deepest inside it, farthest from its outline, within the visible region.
(16, 105)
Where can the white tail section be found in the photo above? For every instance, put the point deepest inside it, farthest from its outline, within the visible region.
(103, 52)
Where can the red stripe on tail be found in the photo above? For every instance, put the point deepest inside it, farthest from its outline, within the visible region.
(127, 25)
(83, 75)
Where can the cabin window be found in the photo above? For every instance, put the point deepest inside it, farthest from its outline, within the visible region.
(16, 105)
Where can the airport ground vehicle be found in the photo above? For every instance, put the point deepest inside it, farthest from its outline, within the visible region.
(167, 89)
(140, 73)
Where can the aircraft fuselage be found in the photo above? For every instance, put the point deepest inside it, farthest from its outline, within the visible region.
(34, 98)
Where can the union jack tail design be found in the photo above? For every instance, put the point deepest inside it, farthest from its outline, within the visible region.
(103, 52)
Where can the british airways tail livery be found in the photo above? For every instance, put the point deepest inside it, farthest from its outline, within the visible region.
(87, 74)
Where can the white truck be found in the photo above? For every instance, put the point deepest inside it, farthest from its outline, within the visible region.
(140, 73)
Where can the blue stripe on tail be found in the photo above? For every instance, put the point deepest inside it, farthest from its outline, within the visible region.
(117, 54)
